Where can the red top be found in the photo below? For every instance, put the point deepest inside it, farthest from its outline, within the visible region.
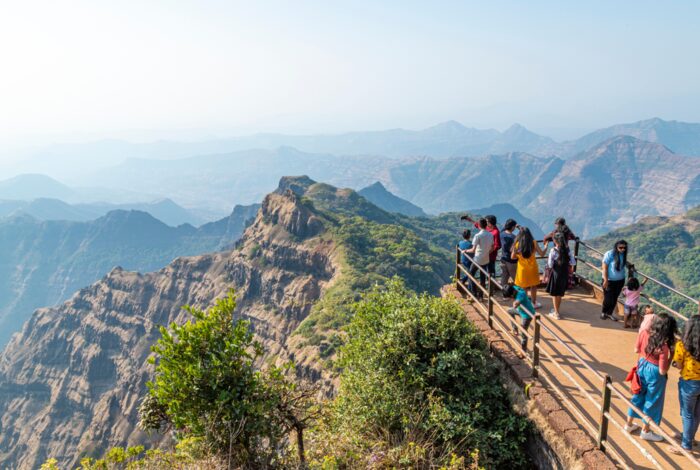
(660, 358)
(496, 241)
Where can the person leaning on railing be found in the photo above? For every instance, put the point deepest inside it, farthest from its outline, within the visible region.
(686, 357)
(463, 245)
(613, 268)
(482, 243)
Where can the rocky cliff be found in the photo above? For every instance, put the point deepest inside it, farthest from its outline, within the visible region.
(71, 381)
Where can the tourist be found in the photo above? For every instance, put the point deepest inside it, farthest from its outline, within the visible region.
(509, 265)
(525, 249)
(613, 268)
(521, 306)
(492, 228)
(648, 318)
(463, 245)
(559, 263)
(493, 256)
(632, 292)
(559, 227)
(652, 368)
(687, 358)
(482, 243)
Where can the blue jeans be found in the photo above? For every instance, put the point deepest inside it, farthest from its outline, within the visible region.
(651, 398)
(689, 398)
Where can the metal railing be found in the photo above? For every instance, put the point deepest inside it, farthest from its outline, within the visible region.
(598, 430)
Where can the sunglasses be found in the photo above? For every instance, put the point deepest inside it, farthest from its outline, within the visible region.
(622, 247)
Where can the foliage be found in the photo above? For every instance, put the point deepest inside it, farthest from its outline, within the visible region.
(415, 371)
(206, 386)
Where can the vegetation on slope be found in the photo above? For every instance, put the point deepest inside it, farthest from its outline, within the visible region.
(418, 390)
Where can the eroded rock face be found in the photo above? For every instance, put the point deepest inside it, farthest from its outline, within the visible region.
(71, 382)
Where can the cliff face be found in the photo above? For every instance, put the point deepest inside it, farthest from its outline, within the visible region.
(71, 381)
(44, 262)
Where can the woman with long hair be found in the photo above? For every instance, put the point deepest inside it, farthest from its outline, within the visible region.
(559, 227)
(652, 368)
(559, 264)
(613, 268)
(527, 275)
(687, 358)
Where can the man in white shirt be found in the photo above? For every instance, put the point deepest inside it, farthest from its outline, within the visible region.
(482, 245)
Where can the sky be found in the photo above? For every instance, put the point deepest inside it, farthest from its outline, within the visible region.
(187, 70)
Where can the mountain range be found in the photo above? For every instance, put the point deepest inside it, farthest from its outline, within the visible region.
(44, 262)
(164, 210)
(71, 381)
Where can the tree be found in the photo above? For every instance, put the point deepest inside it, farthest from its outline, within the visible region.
(206, 385)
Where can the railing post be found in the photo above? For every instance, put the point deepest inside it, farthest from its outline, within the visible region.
(576, 248)
(457, 273)
(536, 347)
(490, 301)
(603, 423)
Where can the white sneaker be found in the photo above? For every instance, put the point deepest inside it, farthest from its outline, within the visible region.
(631, 428)
(554, 314)
(651, 436)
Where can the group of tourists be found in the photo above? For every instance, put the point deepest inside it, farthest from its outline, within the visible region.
(518, 261)
(656, 345)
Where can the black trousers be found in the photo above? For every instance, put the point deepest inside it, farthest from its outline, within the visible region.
(611, 294)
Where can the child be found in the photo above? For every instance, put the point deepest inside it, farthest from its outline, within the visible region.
(522, 305)
(649, 316)
(632, 292)
(463, 245)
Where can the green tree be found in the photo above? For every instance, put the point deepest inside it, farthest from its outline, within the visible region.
(206, 386)
(413, 365)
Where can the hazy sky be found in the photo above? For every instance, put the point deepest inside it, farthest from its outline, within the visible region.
(191, 69)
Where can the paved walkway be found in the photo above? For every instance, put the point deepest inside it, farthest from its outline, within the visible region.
(609, 348)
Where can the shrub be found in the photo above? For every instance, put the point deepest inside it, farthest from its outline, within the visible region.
(415, 370)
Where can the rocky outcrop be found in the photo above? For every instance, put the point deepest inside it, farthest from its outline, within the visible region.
(71, 381)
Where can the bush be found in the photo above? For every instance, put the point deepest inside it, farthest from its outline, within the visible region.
(206, 387)
(416, 374)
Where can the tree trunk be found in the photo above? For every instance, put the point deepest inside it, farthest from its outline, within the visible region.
(300, 445)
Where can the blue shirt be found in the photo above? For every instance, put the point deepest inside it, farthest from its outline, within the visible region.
(465, 245)
(525, 303)
(613, 274)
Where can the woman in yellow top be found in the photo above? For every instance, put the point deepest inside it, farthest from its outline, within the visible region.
(687, 358)
(527, 274)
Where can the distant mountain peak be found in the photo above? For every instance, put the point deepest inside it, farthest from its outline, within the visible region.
(378, 195)
(297, 184)
(449, 125)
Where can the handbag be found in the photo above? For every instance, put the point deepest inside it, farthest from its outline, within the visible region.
(633, 378)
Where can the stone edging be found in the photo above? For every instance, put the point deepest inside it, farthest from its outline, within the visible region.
(576, 439)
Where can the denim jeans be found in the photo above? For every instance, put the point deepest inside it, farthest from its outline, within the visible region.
(651, 398)
(689, 398)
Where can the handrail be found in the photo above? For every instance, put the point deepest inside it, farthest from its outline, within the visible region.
(605, 415)
(656, 281)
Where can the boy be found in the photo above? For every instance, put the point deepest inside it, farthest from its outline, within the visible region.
(522, 305)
